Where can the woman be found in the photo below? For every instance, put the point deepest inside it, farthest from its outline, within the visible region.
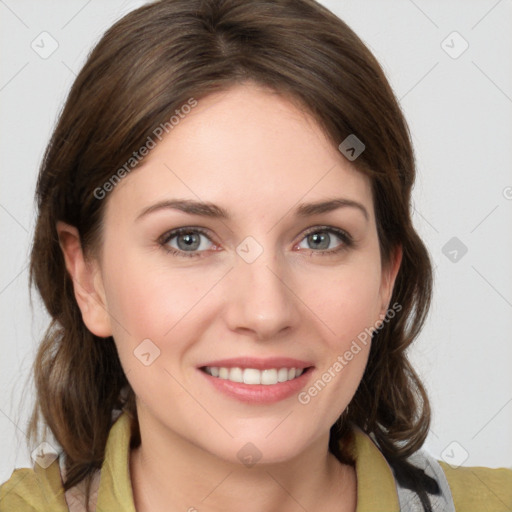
(224, 243)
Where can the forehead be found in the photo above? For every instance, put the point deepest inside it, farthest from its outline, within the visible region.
(248, 149)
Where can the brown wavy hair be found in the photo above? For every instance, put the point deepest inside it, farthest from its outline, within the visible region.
(146, 66)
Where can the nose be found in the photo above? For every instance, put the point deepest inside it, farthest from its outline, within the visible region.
(261, 298)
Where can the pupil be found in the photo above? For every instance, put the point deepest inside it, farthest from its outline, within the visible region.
(320, 238)
(189, 241)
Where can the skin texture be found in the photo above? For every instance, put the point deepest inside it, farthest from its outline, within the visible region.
(256, 154)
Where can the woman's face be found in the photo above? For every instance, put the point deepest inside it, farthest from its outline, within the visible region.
(274, 285)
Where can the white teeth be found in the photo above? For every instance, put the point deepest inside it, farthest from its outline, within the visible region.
(236, 375)
(282, 374)
(269, 377)
(254, 376)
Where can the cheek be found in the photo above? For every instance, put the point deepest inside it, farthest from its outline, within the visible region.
(350, 310)
(348, 303)
(139, 302)
(148, 299)
(150, 313)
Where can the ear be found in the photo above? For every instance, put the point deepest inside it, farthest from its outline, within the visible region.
(389, 273)
(87, 281)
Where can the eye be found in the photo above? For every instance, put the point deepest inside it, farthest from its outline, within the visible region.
(185, 242)
(320, 239)
(193, 242)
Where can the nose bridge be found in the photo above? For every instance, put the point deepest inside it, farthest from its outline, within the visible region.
(261, 300)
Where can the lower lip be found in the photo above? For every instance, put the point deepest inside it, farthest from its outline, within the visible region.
(259, 393)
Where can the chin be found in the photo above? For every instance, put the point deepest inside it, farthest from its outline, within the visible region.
(257, 446)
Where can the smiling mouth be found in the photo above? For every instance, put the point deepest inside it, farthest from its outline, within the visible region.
(254, 376)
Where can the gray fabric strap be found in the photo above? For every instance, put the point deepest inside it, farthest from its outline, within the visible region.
(409, 500)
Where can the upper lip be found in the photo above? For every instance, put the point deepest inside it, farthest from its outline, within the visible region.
(258, 364)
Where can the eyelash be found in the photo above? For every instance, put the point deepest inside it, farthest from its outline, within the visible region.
(347, 241)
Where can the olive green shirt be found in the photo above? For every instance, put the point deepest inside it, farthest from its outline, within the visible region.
(474, 489)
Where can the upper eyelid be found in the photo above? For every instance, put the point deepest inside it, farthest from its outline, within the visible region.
(169, 235)
(313, 229)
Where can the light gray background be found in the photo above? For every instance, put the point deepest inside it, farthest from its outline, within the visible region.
(460, 114)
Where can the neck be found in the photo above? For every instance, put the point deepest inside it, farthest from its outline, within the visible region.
(170, 473)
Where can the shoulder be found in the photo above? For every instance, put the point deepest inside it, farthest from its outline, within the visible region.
(41, 489)
(479, 489)
(33, 490)
(463, 489)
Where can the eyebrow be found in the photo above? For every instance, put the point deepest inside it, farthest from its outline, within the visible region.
(206, 209)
